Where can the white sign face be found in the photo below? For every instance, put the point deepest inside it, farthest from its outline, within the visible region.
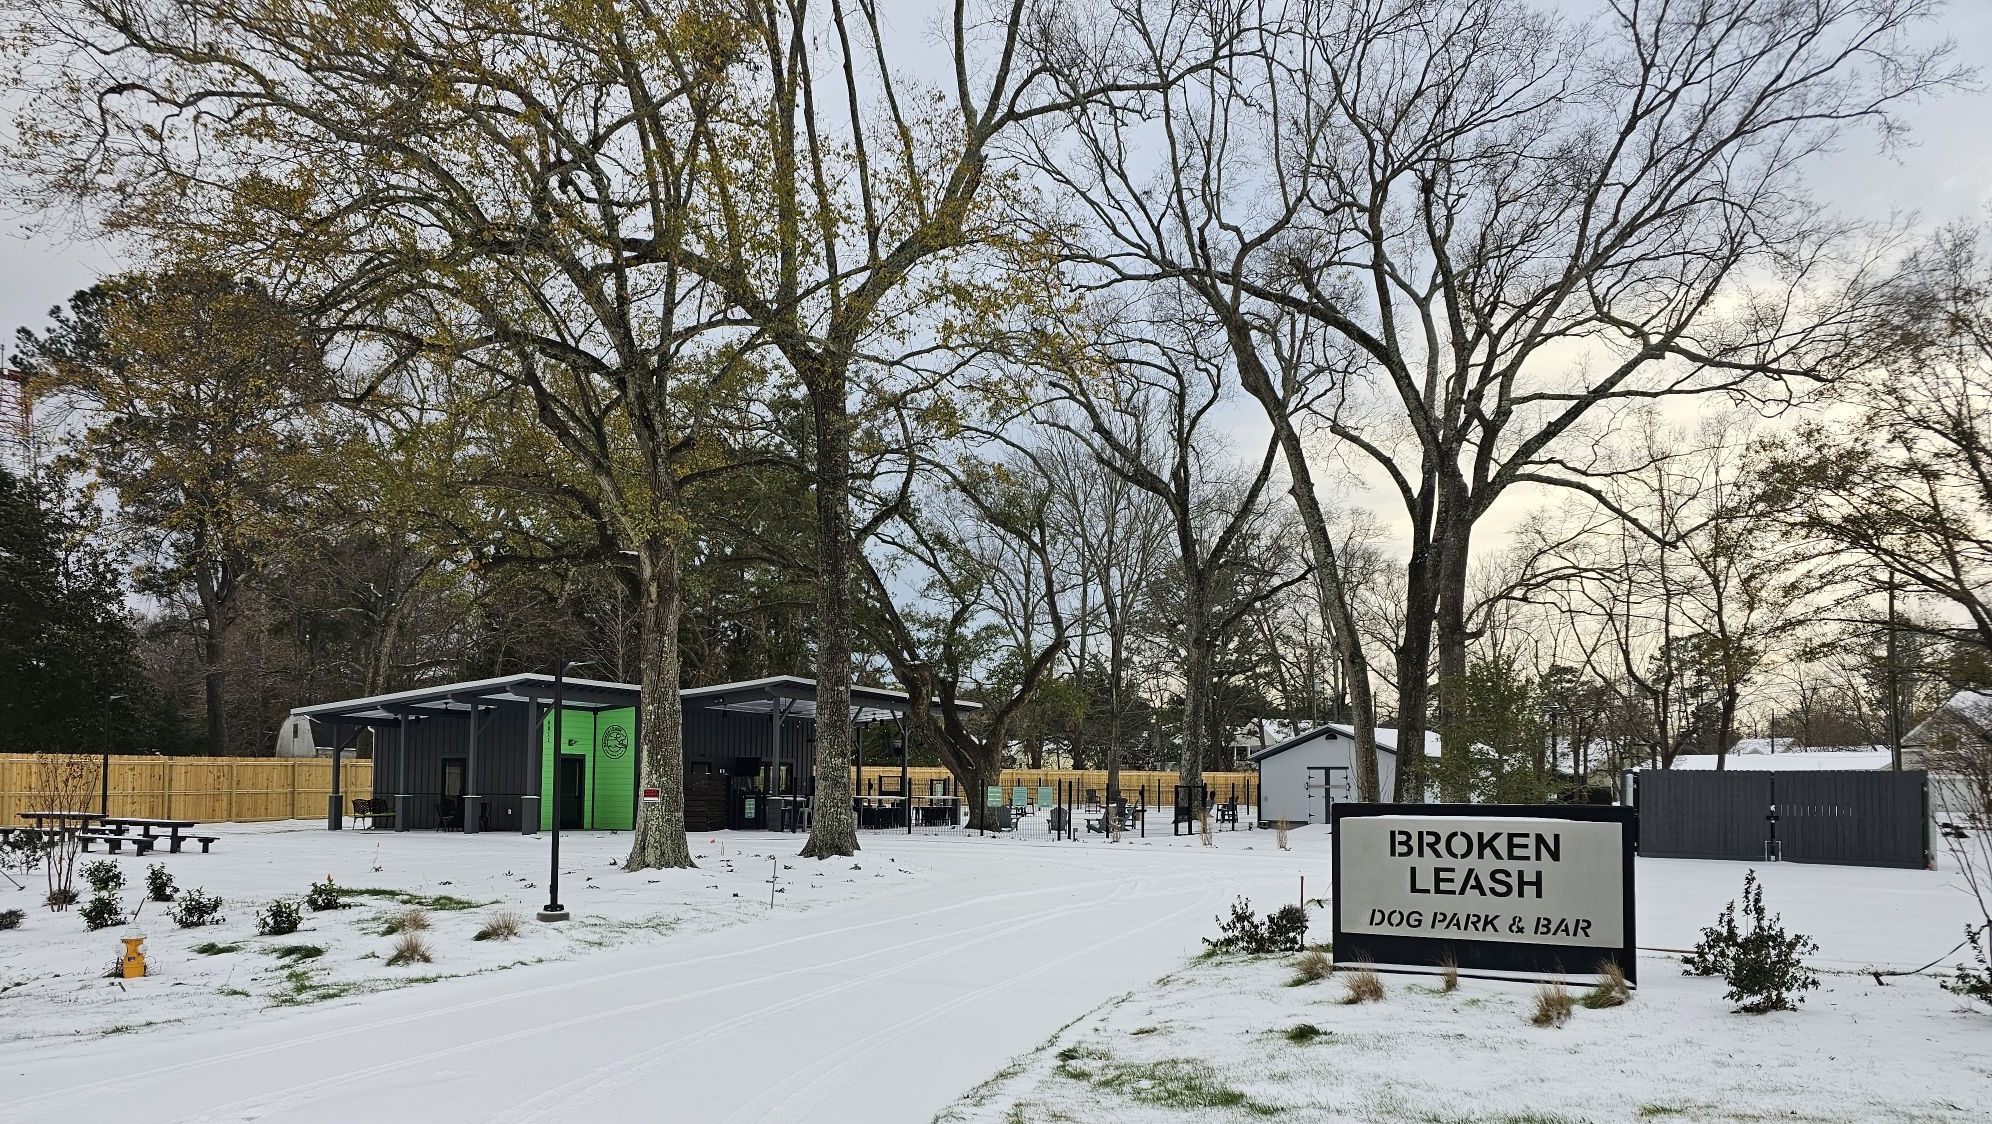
(1524, 881)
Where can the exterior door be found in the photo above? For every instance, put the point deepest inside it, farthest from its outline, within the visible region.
(1327, 784)
(452, 777)
(573, 792)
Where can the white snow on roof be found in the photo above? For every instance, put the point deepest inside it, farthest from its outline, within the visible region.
(1817, 759)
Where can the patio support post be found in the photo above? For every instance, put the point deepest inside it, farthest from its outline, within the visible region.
(529, 804)
(905, 785)
(471, 800)
(401, 776)
(773, 799)
(334, 815)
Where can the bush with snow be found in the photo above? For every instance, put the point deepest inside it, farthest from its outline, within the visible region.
(159, 883)
(1762, 963)
(1282, 931)
(196, 908)
(1974, 983)
(279, 918)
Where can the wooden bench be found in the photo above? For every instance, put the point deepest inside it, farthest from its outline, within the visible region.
(116, 841)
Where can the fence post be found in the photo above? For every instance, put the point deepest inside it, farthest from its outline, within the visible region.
(231, 792)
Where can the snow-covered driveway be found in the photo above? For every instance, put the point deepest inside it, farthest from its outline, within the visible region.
(877, 1010)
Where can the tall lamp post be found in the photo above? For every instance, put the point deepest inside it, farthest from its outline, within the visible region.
(554, 911)
(104, 774)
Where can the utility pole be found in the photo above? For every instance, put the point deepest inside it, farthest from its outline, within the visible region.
(1894, 688)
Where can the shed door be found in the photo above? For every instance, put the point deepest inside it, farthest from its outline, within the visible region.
(1326, 784)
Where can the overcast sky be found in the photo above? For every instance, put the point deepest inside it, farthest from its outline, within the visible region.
(1944, 174)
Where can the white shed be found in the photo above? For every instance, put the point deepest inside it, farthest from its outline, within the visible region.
(1300, 777)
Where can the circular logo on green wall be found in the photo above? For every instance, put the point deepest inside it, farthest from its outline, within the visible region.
(615, 743)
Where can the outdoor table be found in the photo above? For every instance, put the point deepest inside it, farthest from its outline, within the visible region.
(174, 840)
(63, 819)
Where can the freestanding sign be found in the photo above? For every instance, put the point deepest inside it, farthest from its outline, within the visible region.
(1512, 888)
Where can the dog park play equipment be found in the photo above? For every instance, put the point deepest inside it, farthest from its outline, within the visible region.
(133, 961)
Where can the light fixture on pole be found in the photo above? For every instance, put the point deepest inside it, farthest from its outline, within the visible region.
(554, 911)
(104, 774)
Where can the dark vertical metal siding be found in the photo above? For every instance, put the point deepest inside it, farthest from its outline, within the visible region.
(1695, 815)
(1855, 819)
(1845, 817)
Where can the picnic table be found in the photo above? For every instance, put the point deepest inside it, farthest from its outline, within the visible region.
(63, 820)
(116, 826)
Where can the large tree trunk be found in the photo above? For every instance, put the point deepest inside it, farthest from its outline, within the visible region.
(1196, 682)
(660, 828)
(1331, 595)
(1455, 765)
(833, 830)
(214, 649)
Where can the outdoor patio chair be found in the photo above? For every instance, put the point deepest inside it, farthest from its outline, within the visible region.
(448, 818)
(361, 806)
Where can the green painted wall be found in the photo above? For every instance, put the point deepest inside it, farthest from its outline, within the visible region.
(608, 742)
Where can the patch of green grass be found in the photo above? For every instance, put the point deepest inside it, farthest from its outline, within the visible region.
(209, 948)
(297, 952)
(1303, 1033)
(1139, 1031)
(236, 991)
(446, 903)
(1180, 1083)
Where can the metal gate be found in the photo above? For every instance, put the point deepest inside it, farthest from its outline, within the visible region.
(1848, 818)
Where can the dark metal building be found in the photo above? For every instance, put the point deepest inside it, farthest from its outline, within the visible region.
(479, 756)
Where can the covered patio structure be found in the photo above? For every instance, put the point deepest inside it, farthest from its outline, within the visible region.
(479, 755)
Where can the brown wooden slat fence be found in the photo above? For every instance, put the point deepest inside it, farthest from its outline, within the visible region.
(1160, 785)
(206, 789)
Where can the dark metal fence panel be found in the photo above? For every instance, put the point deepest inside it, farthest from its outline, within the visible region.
(1844, 817)
(1854, 818)
(1696, 815)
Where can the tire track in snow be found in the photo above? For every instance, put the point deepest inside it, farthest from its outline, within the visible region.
(26, 1109)
(812, 1091)
(260, 1105)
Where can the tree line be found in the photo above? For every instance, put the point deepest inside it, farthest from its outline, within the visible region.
(1137, 371)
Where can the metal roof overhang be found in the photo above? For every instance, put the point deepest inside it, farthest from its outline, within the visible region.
(458, 699)
(797, 696)
(793, 694)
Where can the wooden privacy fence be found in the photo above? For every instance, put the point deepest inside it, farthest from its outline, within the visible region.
(1160, 786)
(206, 789)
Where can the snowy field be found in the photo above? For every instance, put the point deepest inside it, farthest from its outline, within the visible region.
(879, 990)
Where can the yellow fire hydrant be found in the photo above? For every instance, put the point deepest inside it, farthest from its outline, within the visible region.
(134, 957)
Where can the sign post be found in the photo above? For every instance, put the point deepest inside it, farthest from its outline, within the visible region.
(1508, 889)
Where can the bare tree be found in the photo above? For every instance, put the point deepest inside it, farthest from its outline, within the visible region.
(1504, 218)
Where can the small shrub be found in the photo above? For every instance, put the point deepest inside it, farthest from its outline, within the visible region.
(195, 908)
(1972, 983)
(279, 918)
(501, 927)
(159, 883)
(11, 918)
(1762, 964)
(1364, 986)
(1303, 1033)
(406, 921)
(323, 896)
(1611, 990)
(104, 877)
(1312, 966)
(1448, 975)
(1282, 931)
(410, 949)
(1553, 1004)
(61, 897)
(102, 911)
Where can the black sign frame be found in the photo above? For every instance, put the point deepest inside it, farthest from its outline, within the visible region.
(1519, 958)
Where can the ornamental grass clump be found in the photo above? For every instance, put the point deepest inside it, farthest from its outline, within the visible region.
(1312, 966)
(1554, 1004)
(405, 921)
(1363, 986)
(1448, 975)
(502, 927)
(1611, 990)
(410, 949)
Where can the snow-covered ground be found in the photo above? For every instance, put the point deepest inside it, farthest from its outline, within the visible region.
(878, 990)
(1217, 1040)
